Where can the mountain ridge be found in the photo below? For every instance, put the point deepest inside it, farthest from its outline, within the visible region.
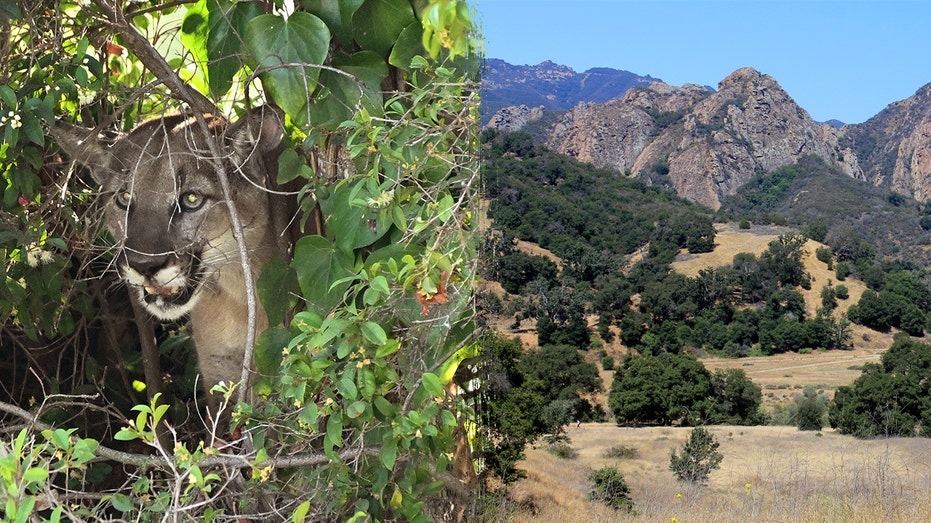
(705, 144)
(550, 85)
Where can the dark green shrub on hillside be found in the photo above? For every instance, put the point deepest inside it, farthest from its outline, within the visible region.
(816, 230)
(660, 390)
(842, 271)
(829, 297)
(886, 309)
(676, 388)
(736, 399)
(607, 363)
(841, 292)
(825, 255)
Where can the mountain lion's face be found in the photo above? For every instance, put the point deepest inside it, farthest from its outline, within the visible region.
(165, 206)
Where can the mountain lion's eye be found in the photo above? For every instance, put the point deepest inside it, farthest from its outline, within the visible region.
(191, 201)
(123, 198)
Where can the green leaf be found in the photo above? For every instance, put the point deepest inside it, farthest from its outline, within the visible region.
(377, 24)
(352, 226)
(410, 44)
(309, 414)
(268, 348)
(334, 432)
(387, 349)
(276, 288)
(337, 15)
(61, 438)
(25, 509)
(9, 10)
(319, 264)
(385, 407)
(301, 512)
(227, 22)
(8, 96)
(340, 96)
(35, 475)
(194, 31)
(122, 503)
(374, 333)
(356, 409)
(389, 451)
(291, 166)
(125, 435)
(433, 384)
(277, 45)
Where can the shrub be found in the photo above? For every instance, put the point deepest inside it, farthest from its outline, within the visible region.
(621, 452)
(607, 363)
(697, 458)
(842, 270)
(744, 224)
(811, 410)
(841, 292)
(826, 256)
(610, 488)
(562, 450)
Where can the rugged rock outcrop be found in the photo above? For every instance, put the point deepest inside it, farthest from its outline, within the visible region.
(515, 118)
(704, 144)
(894, 147)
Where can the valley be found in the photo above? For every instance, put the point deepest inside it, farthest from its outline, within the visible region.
(674, 237)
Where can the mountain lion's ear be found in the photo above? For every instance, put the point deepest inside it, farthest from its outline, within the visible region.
(259, 130)
(85, 147)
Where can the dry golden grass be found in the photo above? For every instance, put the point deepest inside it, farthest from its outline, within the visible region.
(793, 476)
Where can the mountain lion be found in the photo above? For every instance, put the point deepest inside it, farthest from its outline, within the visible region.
(164, 207)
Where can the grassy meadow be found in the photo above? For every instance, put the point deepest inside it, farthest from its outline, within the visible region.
(768, 474)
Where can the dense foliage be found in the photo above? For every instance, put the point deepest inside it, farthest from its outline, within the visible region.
(586, 216)
(356, 419)
(891, 398)
(528, 395)
(677, 388)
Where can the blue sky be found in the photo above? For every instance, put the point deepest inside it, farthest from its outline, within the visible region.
(838, 59)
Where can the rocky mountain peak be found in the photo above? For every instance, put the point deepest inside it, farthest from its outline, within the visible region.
(704, 144)
(707, 143)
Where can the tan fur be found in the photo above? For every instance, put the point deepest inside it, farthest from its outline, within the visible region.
(165, 209)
